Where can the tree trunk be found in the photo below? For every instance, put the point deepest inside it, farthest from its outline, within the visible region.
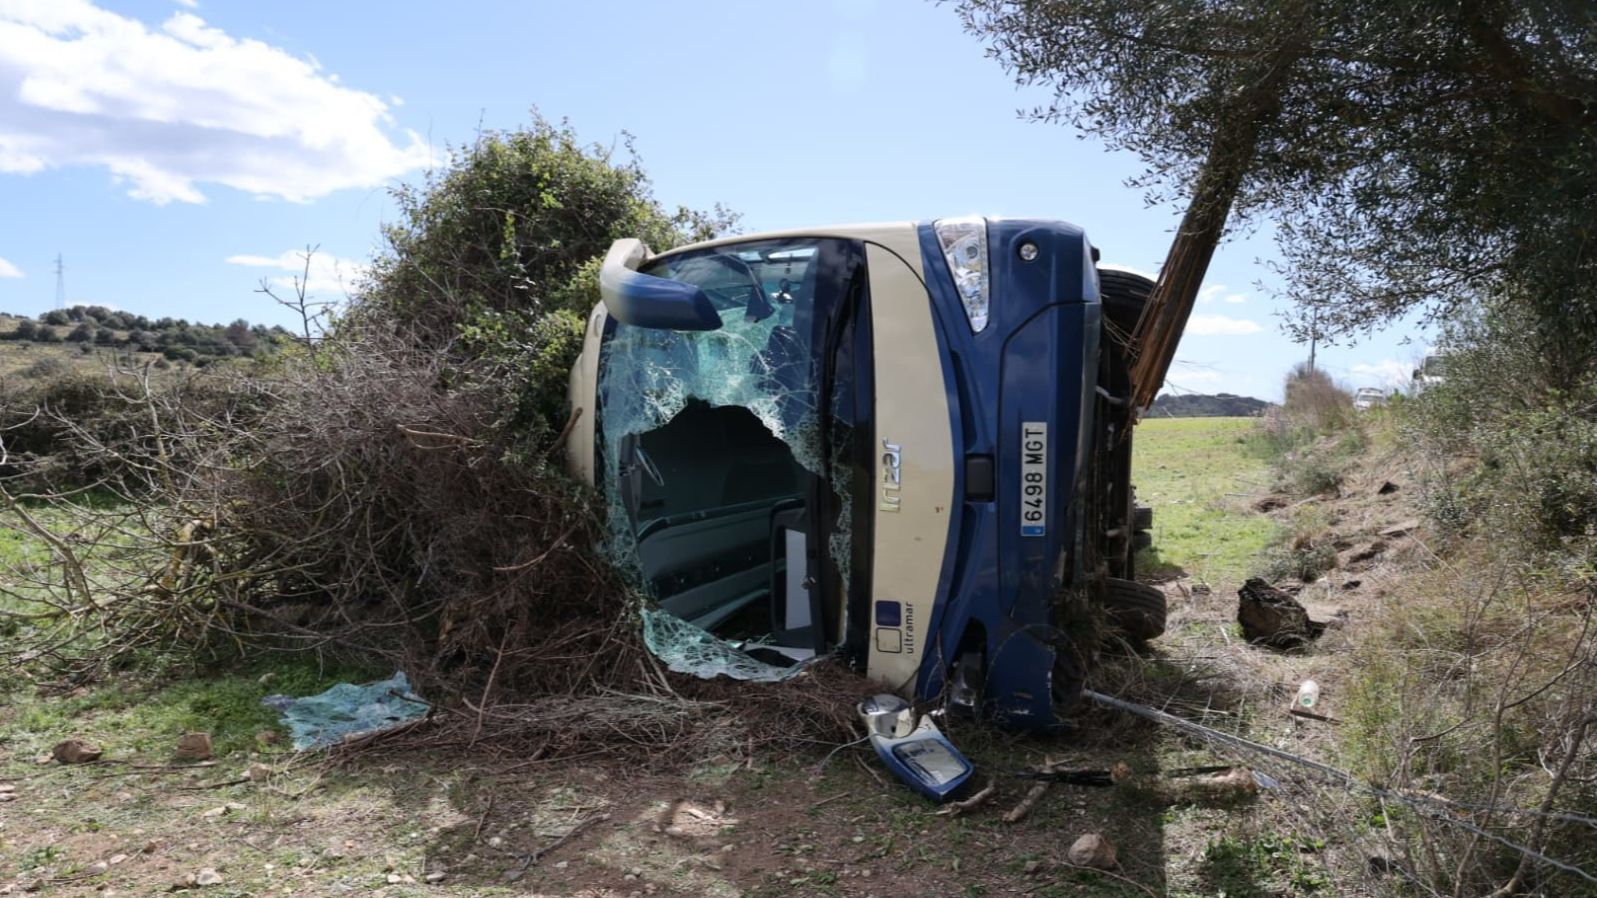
(1236, 141)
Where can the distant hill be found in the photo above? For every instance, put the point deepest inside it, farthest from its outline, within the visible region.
(90, 330)
(1199, 405)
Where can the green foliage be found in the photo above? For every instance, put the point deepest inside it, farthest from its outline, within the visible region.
(514, 223)
(130, 717)
(176, 338)
(529, 360)
(1421, 154)
(1264, 866)
(1198, 405)
(1508, 439)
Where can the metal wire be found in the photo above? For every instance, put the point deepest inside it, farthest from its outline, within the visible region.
(1431, 808)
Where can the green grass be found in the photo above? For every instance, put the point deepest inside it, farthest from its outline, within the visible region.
(132, 718)
(1200, 475)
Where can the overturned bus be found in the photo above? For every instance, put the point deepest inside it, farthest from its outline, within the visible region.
(905, 444)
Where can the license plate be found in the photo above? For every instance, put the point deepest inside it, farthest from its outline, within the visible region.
(1034, 478)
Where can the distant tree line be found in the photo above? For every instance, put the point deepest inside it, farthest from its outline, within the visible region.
(1198, 405)
(176, 339)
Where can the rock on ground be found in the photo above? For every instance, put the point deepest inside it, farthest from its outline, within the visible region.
(1092, 850)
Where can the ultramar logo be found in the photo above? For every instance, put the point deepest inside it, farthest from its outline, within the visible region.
(892, 485)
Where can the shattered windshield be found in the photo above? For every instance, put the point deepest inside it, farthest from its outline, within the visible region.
(714, 449)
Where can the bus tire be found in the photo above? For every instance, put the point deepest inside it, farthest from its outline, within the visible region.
(1137, 610)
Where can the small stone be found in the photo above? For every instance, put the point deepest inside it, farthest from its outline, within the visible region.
(235, 806)
(335, 849)
(96, 868)
(1032, 867)
(395, 879)
(193, 747)
(8, 796)
(75, 751)
(117, 859)
(495, 842)
(8, 787)
(436, 876)
(629, 878)
(215, 812)
(207, 877)
(1092, 850)
(562, 865)
(858, 839)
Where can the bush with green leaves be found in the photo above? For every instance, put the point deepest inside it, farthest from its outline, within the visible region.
(495, 258)
(1508, 438)
(395, 487)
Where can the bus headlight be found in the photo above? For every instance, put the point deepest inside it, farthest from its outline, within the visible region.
(964, 243)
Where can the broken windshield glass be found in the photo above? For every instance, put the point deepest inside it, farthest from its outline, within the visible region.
(721, 504)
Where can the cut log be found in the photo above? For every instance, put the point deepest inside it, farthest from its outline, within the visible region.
(1272, 618)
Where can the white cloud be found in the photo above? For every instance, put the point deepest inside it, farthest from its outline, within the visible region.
(1236, 298)
(1220, 326)
(1385, 373)
(191, 4)
(1207, 294)
(329, 277)
(7, 270)
(166, 109)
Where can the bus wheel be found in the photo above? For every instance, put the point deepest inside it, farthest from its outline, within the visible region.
(1137, 610)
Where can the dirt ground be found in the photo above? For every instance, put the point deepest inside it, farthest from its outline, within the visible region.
(261, 820)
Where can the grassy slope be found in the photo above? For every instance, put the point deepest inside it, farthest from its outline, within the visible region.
(1200, 476)
(802, 830)
(17, 356)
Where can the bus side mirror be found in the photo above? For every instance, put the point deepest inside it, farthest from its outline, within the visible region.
(642, 300)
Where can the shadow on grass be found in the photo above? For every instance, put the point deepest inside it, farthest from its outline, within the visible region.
(1155, 568)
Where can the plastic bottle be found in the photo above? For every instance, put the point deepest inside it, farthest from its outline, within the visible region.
(1308, 696)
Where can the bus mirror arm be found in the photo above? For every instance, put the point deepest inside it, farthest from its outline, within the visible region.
(643, 300)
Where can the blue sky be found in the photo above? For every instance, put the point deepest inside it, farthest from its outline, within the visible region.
(177, 153)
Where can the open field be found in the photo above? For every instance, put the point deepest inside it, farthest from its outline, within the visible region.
(1200, 475)
(462, 821)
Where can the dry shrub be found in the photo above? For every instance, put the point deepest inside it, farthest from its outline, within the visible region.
(382, 503)
(662, 722)
(367, 501)
(1313, 401)
(1483, 691)
(360, 498)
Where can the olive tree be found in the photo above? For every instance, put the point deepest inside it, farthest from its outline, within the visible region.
(1414, 154)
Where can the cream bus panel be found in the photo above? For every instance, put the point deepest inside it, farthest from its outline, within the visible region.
(914, 476)
(583, 396)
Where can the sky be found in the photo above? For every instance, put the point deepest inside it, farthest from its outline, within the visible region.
(177, 153)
